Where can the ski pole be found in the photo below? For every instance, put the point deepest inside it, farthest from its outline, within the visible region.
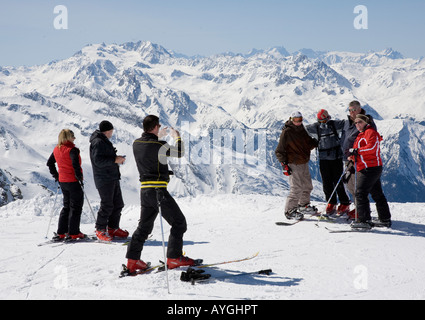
(355, 187)
(159, 197)
(88, 202)
(53, 209)
(330, 198)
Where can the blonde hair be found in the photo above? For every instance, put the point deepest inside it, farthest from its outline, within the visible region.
(64, 136)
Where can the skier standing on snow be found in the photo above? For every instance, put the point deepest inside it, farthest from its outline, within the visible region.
(151, 155)
(349, 135)
(367, 150)
(106, 172)
(293, 152)
(326, 131)
(70, 177)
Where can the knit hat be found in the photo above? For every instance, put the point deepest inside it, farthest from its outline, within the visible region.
(323, 115)
(296, 114)
(105, 126)
(362, 117)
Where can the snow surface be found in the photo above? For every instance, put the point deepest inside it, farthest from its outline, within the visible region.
(307, 261)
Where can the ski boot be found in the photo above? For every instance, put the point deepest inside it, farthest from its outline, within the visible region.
(76, 236)
(308, 209)
(182, 261)
(330, 209)
(343, 209)
(294, 214)
(361, 225)
(102, 235)
(118, 233)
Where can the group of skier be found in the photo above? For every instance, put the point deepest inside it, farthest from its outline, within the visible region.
(354, 142)
(349, 154)
(151, 155)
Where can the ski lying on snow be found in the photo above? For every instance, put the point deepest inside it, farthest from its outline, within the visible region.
(199, 262)
(197, 276)
(226, 262)
(198, 265)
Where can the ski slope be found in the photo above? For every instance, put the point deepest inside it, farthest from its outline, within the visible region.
(307, 261)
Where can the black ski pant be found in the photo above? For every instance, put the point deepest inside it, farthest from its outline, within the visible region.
(149, 210)
(111, 205)
(369, 182)
(70, 215)
(331, 171)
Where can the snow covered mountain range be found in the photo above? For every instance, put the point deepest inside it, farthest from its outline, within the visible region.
(230, 109)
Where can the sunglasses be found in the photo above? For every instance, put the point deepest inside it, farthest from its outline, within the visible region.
(297, 121)
(352, 110)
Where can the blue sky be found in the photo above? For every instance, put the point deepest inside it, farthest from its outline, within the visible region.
(206, 27)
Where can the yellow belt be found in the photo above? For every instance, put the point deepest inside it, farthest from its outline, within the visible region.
(154, 184)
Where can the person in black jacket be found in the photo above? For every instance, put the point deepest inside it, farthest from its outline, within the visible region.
(151, 156)
(349, 135)
(327, 132)
(106, 172)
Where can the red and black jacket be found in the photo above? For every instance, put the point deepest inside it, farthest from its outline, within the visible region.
(69, 163)
(368, 145)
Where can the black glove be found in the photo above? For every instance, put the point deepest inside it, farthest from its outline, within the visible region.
(56, 177)
(353, 151)
(287, 171)
(192, 275)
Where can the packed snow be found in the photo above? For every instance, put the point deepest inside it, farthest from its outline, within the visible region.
(307, 261)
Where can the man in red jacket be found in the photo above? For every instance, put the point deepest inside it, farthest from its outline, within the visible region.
(366, 153)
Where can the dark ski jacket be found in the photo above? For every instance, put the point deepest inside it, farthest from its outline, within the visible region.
(328, 135)
(294, 144)
(350, 133)
(102, 156)
(151, 158)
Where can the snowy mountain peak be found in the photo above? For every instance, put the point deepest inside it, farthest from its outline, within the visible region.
(251, 94)
(391, 54)
(149, 52)
(277, 52)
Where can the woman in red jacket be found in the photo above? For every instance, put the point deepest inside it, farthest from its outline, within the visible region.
(367, 154)
(70, 177)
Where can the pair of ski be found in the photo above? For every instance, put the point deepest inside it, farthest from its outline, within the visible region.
(192, 274)
(324, 218)
(375, 224)
(89, 238)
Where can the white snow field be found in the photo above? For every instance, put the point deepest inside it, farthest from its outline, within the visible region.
(307, 261)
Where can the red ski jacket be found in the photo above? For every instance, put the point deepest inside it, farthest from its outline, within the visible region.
(368, 145)
(65, 162)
